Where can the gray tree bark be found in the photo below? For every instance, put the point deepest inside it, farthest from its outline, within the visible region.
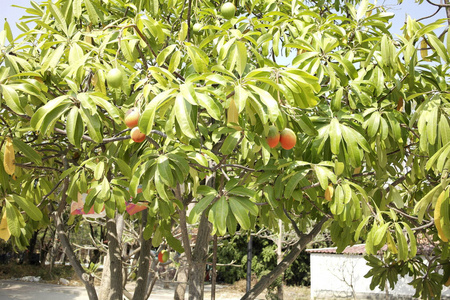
(280, 258)
(198, 262)
(62, 234)
(111, 286)
(182, 278)
(268, 279)
(185, 258)
(144, 262)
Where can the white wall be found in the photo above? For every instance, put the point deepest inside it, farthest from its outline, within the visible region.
(337, 275)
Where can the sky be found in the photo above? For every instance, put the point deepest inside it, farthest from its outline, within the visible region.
(13, 14)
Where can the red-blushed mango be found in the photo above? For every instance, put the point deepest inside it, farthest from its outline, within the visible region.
(288, 139)
(163, 256)
(137, 136)
(273, 137)
(132, 117)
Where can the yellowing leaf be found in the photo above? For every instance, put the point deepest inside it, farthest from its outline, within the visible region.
(329, 192)
(233, 115)
(9, 157)
(4, 230)
(400, 104)
(424, 50)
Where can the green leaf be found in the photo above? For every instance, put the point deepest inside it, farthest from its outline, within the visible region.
(198, 58)
(438, 47)
(30, 209)
(240, 97)
(39, 115)
(68, 172)
(211, 106)
(198, 209)
(360, 227)
(148, 116)
(124, 167)
(249, 205)
(59, 18)
(293, 183)
(153, 7)
(432, 127)
(77, 8)
(266, 98)
(90, 198)
(306, 125)
(183, 116)
(321, 173)
(160, 187)
(242, 191)
(12, 219)
(421, 206)
(373, 124)
(93, 124)
(52, 117)
(380, 234)
(188, 92)
(110, 108)
(412, 240)
(99, 170)
(93, 16)
(28, 151)
(103, 195)
(402, 243)
(241, 62)
(335, 135)
(220, 211)
(74, 127)
(165, 171)
(53, 59)
(230, 143)
(240, 213)
(174, 61)
(162, 56)
(8, 31)
(11, 98)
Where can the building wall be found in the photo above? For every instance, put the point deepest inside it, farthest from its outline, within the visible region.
(341, 275)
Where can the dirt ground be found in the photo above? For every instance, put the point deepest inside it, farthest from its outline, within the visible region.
(48, 288)
(22, 290)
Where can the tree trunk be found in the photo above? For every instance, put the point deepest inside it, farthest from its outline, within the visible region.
(53, 251)
(182, 278)
(115, 261)
(152, 277)
(280, 258)
(198, 262)
(144, 262)
(87, 280)
(214, 269)
(111, 287)
(268, 279)
(249, 263)
(186, 257)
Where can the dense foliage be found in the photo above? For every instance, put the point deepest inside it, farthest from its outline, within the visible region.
(370, 112)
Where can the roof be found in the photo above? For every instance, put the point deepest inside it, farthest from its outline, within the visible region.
(359, 249)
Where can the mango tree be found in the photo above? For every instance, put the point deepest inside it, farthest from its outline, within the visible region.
(369, 113)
